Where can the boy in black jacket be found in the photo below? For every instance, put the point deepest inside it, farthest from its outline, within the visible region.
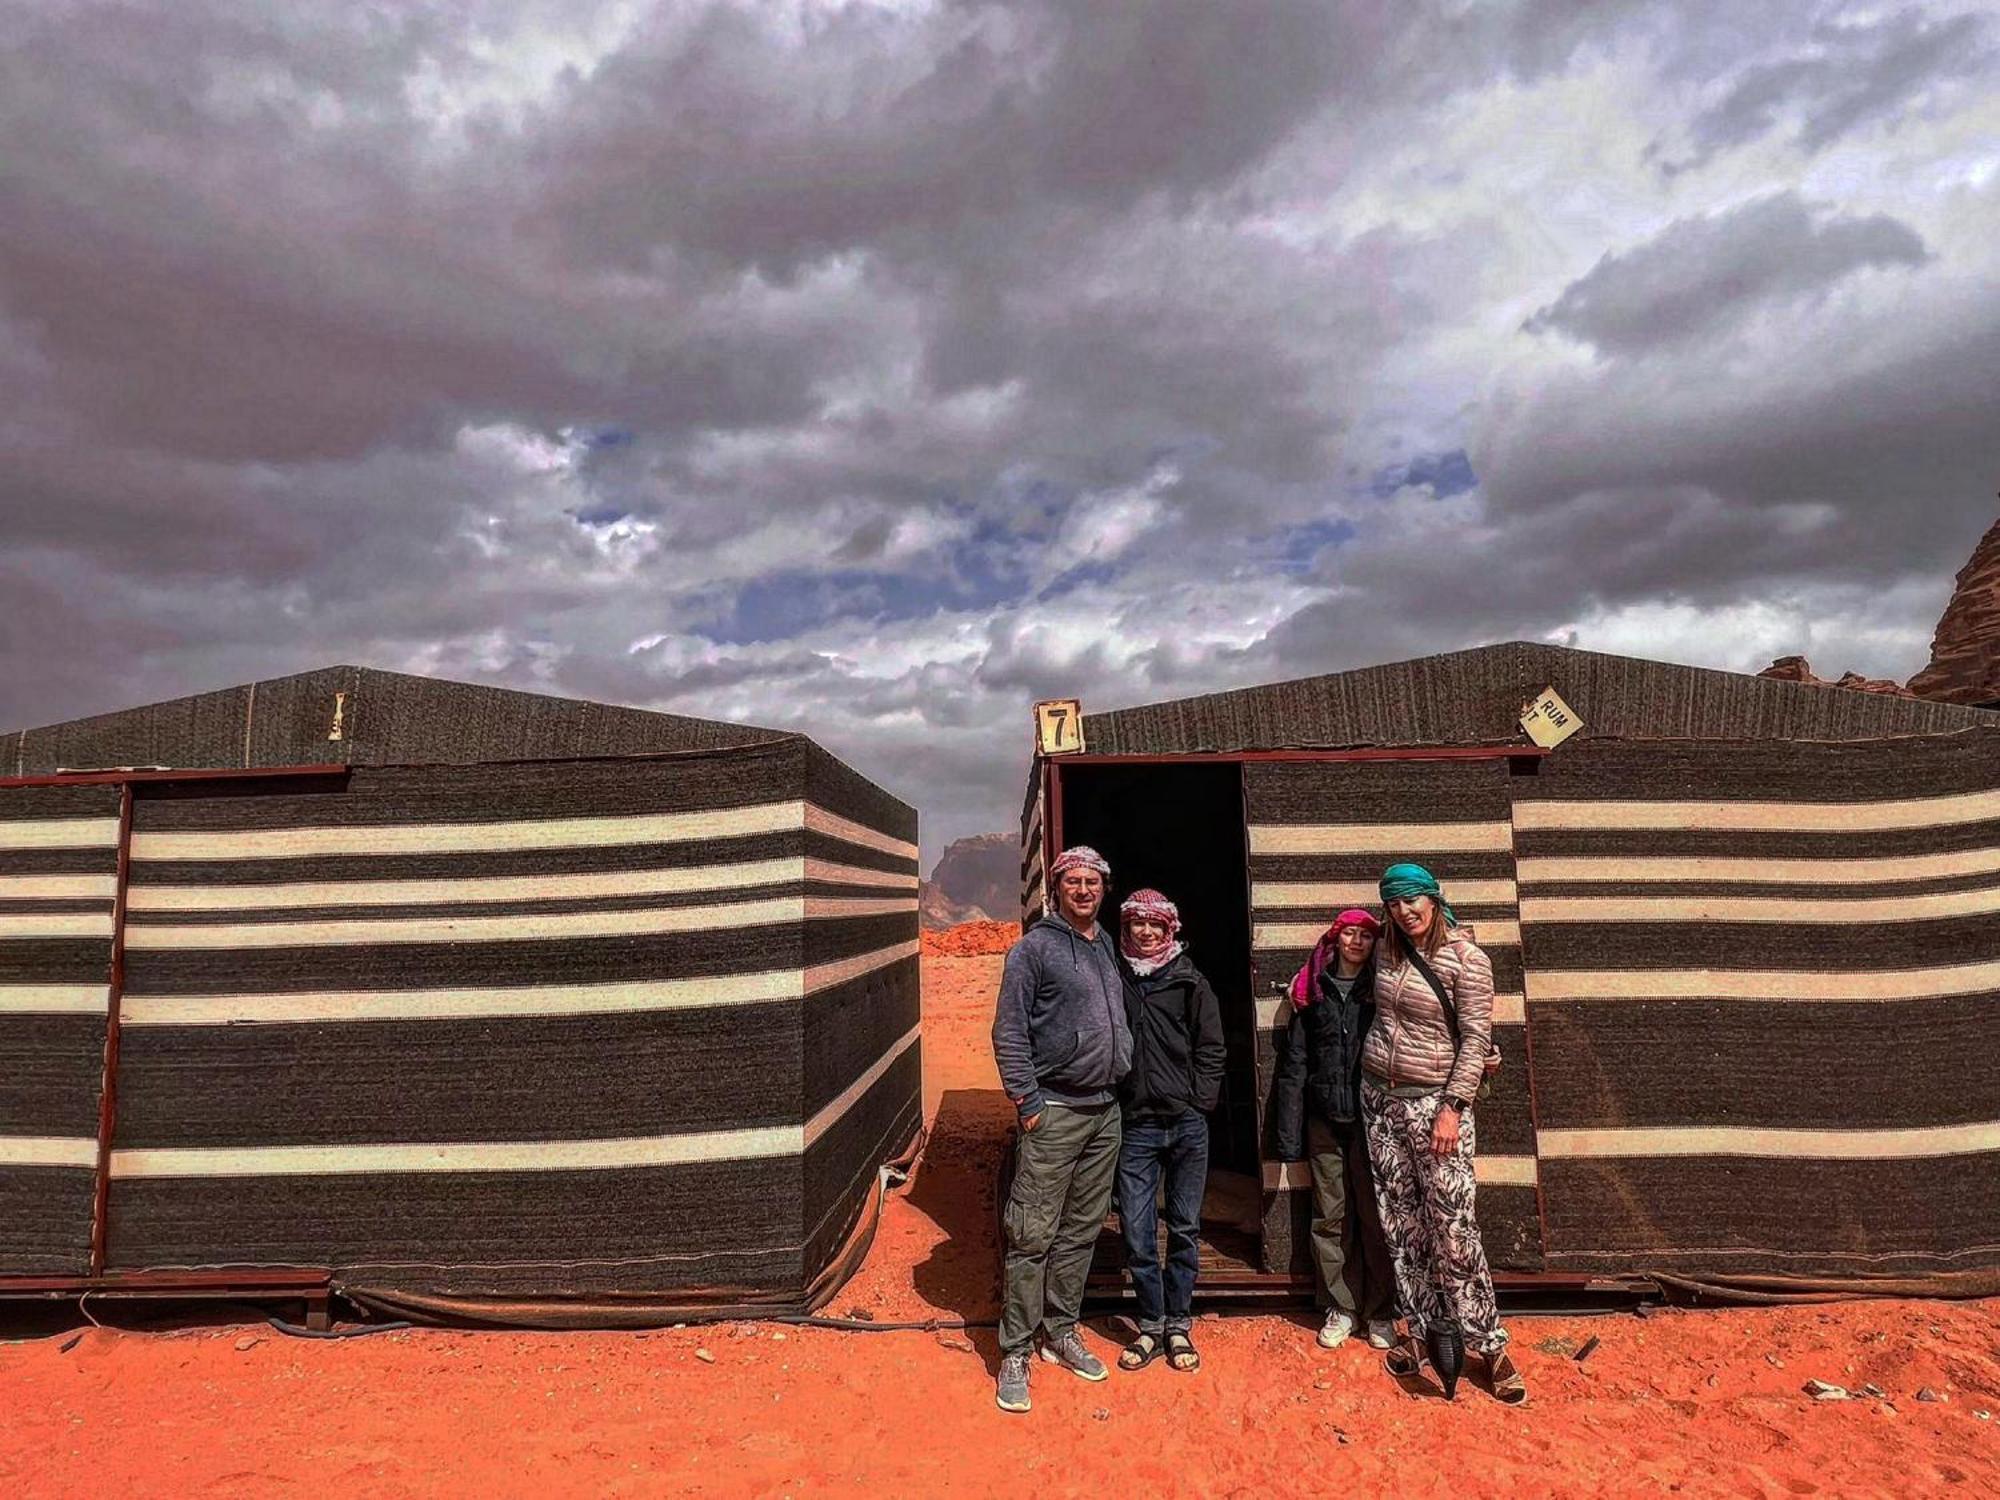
(1316, 1104)
(1176, 1077)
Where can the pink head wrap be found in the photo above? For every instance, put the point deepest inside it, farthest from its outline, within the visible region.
(1324, 951)
(1150, 903)
(1078, 856)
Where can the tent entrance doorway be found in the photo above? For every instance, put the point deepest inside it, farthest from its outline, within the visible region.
(1179, 828)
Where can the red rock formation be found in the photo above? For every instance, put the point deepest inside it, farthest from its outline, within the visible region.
(975, 880)
(1965, 652)
(1798, 669)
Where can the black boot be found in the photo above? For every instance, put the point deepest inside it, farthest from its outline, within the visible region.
(1445, 1343)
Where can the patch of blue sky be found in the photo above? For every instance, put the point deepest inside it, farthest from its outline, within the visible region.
(1083, 575)
(1443, 474)
(782, 605)
(605, 513)
(1294, 549)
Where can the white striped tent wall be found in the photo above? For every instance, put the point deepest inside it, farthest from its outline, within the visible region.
(771, 986)
(387, 1003)
(509, 835)
(1782, 1144)
(556, 1154)
(58, 895)
(353, 911)
(48, 1151)
(1803, 815)
(1788, 922)
(1034, 879)
(722, 877)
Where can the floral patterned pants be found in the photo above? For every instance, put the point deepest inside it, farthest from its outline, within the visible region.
(1427, 1217)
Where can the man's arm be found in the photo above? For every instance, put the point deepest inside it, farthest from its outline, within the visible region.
(1209, 1052)
(1012, 1049)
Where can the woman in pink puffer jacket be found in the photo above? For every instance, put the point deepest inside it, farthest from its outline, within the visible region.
(1420, 1072)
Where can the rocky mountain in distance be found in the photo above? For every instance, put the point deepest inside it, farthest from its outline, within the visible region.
(1798, 669)
(1965, 651)
(977, 879)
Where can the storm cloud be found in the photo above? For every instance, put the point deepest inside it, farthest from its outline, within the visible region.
(873, 369)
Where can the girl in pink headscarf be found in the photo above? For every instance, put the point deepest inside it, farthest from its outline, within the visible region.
(1316, 1104)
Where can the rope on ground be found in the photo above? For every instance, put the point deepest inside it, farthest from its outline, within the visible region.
(359, 1330)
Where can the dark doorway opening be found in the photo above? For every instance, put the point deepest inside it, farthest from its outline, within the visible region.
(1179, 829)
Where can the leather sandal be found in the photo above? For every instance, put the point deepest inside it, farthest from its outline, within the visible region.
(1141, 1352)
(1503, 1380)
(1182, 1354)
(1406, 1359)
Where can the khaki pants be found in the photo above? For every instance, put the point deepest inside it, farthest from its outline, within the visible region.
(1356, 1274)
(1063, 1173)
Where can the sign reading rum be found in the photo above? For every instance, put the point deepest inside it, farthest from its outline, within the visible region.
(1548, 720)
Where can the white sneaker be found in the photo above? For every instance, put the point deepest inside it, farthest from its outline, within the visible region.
(1381, 1333)
(1333, 1333)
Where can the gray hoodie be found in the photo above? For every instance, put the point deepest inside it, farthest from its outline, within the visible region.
(1059, 1029)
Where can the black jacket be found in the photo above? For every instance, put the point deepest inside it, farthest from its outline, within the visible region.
(1319, 1062)
(1177, 1051)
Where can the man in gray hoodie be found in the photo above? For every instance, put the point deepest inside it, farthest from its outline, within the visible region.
(1062, 1041)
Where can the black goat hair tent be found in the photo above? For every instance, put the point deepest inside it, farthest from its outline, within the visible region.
(484, 1002)
(1745, 937)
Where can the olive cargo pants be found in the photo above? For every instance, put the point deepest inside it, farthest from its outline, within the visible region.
(1350, 1252)
(1063, 1174)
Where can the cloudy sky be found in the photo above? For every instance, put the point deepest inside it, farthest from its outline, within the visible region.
(873, 369)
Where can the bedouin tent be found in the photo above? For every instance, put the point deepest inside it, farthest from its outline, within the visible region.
(480, 1002)
(1745, 933)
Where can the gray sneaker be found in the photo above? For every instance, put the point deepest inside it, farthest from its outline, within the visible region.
(1013, 1392)
(1069, 1352)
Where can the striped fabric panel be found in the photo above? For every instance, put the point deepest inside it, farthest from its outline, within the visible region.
(1034, 879)
(58, 890)
(763, 1208)
(1797, 1216)
(463, 1157)
(537, 904)
(433, 1008)
(149, 898)
(861, 1068)
(1775, 960)
(500, 1001)
(717, 1225)
(1320, 835)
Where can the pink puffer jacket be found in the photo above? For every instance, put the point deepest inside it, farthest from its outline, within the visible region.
(1410, 1042)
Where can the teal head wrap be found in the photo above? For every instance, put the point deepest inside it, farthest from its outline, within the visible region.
(1400, 882)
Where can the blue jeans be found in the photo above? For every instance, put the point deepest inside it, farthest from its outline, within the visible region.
(1177, 1147)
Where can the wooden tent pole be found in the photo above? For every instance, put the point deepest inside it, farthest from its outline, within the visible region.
(107, 1094)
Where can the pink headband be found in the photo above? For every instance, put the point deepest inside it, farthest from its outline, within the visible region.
(1354, 916)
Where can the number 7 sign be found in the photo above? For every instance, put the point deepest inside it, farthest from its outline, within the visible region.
(1059, 726)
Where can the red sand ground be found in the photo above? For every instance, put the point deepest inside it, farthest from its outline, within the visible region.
(1705, 1403)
